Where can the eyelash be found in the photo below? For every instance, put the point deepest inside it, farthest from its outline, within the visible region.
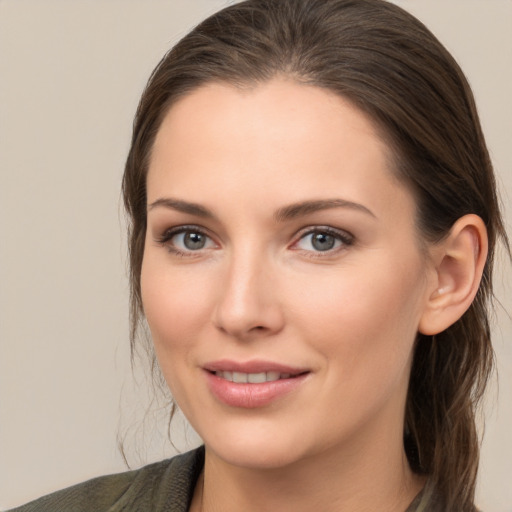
(346, 240)
(169, 234)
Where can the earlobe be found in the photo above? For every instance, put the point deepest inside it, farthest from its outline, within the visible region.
(459, 263)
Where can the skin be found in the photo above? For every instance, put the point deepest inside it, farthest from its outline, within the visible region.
(259, 289)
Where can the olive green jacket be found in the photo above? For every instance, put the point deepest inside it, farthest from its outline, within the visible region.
(165, 486)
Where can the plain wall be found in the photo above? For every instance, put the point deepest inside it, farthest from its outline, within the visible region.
(71, 73)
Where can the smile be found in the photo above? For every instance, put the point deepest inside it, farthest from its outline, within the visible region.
(253, 384)
(252, 378)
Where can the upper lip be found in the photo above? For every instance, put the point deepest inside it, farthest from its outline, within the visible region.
(255, 366)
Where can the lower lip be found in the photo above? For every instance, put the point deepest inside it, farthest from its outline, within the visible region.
(250, 396)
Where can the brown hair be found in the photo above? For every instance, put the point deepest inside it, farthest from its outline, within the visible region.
(390, 66)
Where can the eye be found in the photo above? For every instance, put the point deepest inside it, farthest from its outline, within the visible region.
(323, 240)
(185, 240)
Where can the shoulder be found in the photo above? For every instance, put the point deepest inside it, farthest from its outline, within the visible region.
(167, 485)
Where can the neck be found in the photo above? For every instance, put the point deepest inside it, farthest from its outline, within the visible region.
(359, 480)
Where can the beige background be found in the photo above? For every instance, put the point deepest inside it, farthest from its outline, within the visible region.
(71, 73)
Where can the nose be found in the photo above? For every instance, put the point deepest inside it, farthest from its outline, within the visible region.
(248, 305)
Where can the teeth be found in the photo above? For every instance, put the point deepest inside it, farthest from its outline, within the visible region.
(240, 378)
(256, 378)
(272, 376)
(252, 378)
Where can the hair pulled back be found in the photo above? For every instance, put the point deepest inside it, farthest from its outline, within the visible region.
(390, 66)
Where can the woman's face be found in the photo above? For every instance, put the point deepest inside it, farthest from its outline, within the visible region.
(281, 250)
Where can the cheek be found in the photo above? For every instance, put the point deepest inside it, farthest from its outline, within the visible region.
(173, 305)
(176, 311)
(364, 314)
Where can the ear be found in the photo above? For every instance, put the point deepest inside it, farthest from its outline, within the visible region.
(458, 261)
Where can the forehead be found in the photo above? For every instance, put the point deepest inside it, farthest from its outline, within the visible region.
(301, 109)
(282, 134)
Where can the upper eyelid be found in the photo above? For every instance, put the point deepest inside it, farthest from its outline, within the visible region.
(342, 233)
(183, 228)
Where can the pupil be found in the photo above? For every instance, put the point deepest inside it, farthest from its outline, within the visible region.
(194, 241)
(323, 241)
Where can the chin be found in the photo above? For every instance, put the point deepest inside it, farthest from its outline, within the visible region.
(266, 449)
(255, 456)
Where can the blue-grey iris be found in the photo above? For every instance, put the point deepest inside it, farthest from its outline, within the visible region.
(322, 241)
(194, 241)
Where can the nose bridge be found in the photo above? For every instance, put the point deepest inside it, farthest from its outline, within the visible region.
(247, 301)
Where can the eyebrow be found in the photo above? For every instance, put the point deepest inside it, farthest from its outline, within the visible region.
(182, 206)
(283, 214)
(307, 207)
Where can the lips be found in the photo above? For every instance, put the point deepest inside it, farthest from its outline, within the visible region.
(252, 384)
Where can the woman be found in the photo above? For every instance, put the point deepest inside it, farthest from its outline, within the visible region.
(313, 222)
